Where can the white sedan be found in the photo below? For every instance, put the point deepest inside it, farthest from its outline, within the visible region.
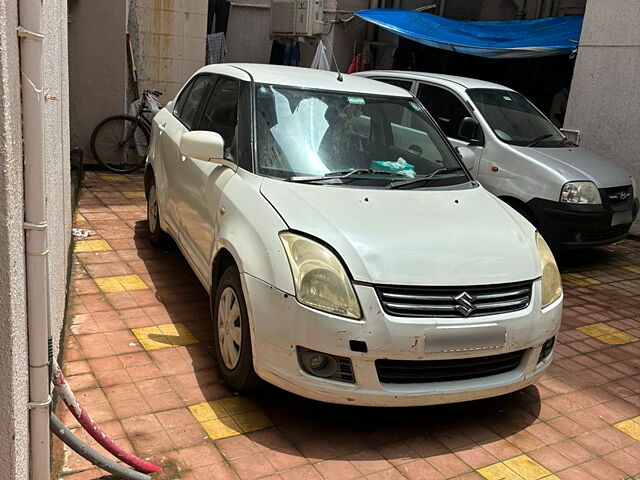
(349, 255)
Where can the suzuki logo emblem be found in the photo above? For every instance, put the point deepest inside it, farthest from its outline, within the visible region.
(465, 304)
(620, 195)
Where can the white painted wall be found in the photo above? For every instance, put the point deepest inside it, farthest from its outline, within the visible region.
(604, 103)
(13, 347)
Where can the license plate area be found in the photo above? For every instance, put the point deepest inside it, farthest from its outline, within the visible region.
(461, 338)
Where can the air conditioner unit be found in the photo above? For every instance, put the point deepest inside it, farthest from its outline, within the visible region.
(296, 18)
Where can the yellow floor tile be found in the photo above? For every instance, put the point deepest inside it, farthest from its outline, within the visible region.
(579, 279)
(633, 268)
(238, 404)
(204, 412)
(80, 218)
(229, 416)
(139, 194)
(92, 246)
(252, 421)
(630, 427)
(522, 467)
(113, 178)
(608, 334)
(221, 428)
(498, 471)
(527, 468)
(164, 336)
(178, 334)
(120, 283)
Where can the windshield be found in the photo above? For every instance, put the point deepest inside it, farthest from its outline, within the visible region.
(515, 120)
(328, 134)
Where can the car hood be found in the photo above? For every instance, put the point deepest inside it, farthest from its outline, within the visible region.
(578, 163)
(412, 237)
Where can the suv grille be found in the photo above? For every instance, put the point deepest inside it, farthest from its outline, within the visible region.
(426, 371)
(454, 301)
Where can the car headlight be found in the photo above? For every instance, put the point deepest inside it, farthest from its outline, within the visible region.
(580, 192)
(320, 279)
(551, 281)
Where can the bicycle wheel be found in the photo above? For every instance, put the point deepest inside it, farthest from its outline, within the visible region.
(120, 143)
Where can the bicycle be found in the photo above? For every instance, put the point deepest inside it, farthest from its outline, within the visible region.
(120, 143)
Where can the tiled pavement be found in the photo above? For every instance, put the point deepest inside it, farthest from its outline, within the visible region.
(138, 356)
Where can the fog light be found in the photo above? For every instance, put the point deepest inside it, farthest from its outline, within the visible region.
(547, 348)
(324, 365)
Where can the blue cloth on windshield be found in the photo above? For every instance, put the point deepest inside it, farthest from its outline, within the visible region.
(508, 39)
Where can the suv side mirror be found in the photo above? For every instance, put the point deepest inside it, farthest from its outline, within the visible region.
(202, 145)
(572, 135)
(468, 156)
(469, 130)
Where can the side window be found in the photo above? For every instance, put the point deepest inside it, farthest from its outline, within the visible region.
(447, 109)
(187, 110)
(221, 112)
(406, 84)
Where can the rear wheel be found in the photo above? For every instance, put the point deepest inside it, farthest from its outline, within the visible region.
(157, 236)
(232, 338)
(120, 143)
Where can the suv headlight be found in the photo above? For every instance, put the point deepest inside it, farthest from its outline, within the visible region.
(320, 279)
(551, 281)
(580, 192)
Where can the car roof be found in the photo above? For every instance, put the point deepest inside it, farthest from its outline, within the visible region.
(303, 78)
(465, 82)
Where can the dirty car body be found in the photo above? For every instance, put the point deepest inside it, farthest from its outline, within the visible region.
(372, 269)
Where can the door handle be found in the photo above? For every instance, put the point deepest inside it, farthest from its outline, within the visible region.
(161, 127)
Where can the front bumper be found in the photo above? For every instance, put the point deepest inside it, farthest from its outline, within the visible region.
(280, 324)
(570, 225)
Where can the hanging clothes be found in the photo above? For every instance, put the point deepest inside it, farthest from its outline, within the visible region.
(277, 53)
(292, 54)
(320, 60)
(354, 65)
(216, 48)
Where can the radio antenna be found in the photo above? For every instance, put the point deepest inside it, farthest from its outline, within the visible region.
(335, 62)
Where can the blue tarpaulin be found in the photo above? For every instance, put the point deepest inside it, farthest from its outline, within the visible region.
(510, 39)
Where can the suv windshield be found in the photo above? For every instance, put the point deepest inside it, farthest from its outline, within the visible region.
(340, 137)
(515, 120)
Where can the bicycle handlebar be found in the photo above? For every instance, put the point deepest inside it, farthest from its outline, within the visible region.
(155, 93)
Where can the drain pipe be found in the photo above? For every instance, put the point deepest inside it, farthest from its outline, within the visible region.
(35, 225)
(521, 9)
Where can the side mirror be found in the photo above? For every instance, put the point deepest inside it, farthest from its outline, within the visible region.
(469, 130)
(202, 145)
(169, 106)
(468, 156)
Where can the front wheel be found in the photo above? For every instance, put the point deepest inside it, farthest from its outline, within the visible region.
(157, 236)
(232, 338)
(120, 143)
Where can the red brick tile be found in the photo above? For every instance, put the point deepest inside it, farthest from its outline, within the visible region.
(575, 473)
(551, 459)
(152, 442)
(236, 447)
(502, 449)
(217, 471)
(573, 451)
(601, 469)
(308, 472)
(595, 443)
(476, 457)
(187, 435)
(252, 466)
(448, 465)
(285, 458)
(200, 455)
(419, 470)
(391, 474)
(164, 401)
(112, 377)
(337, 470)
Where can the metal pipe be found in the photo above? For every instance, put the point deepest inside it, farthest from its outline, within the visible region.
(85, 451)
(83, 417)
(521, 9)
(36, 243)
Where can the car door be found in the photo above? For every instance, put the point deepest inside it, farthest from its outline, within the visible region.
(203, 181)
(185, 114)
(448, 110)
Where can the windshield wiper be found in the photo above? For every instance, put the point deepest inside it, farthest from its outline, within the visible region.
(406, 183)
(537, 140)
(340, 174)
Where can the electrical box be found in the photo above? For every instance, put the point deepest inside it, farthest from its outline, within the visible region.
(296, 18)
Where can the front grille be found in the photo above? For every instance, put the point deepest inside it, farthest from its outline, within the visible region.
(454, 301)
(605, 234)
(427, 371)
(619, 195)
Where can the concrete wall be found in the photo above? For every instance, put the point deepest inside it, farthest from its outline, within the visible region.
(169, 42)
(97, 65)
(13, 341)
(604, 103)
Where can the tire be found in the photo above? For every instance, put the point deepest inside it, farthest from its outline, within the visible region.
(157, 236)
(120, 143)
(235, 359)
